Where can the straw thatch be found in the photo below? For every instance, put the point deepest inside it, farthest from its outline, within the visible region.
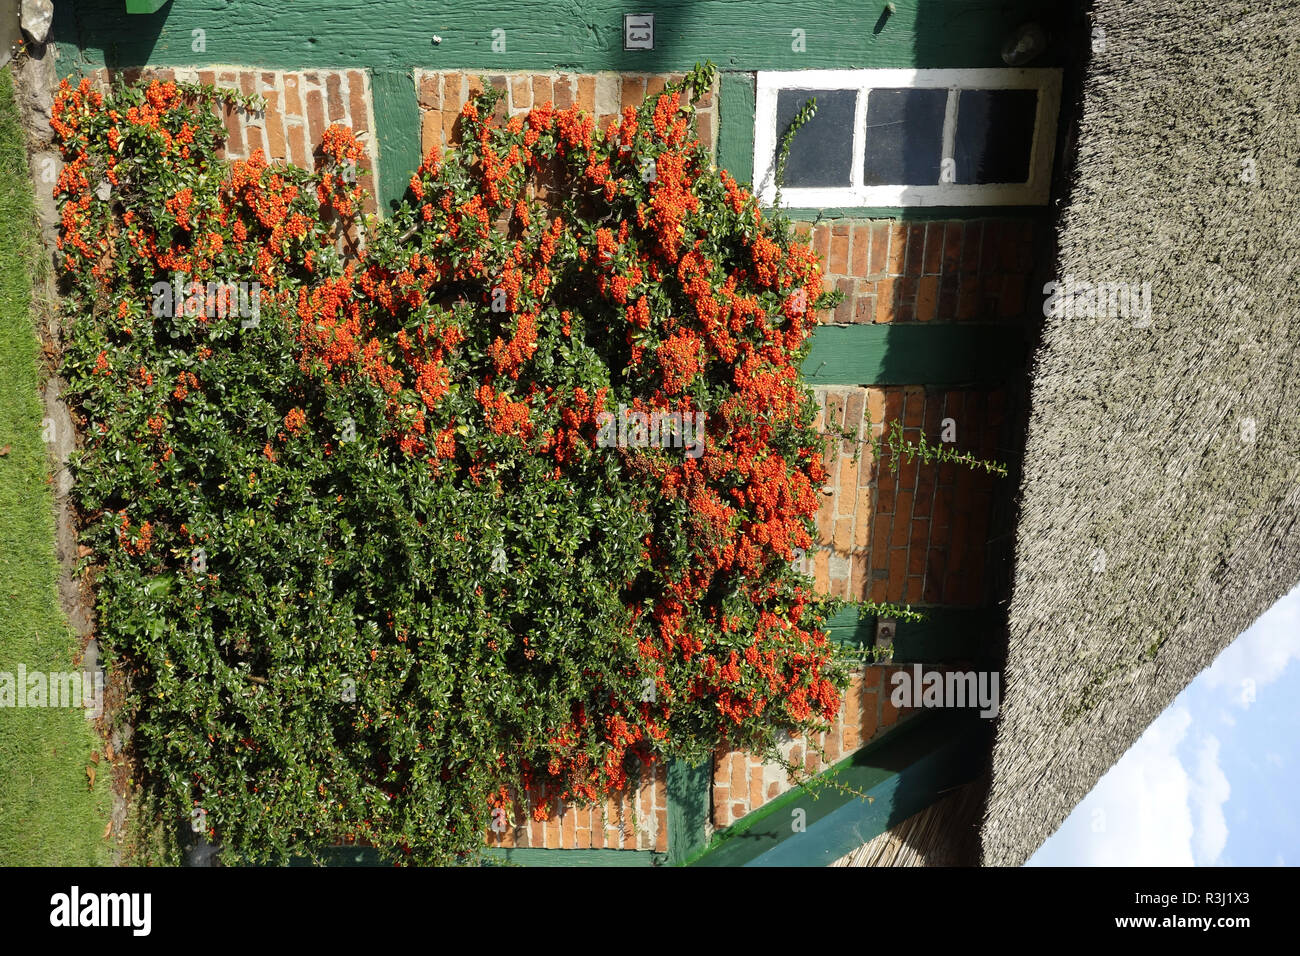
(1153, 529)
(946, 833)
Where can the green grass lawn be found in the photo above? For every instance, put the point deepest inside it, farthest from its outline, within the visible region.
(48, 812)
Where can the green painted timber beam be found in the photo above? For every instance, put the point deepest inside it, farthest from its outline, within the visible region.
(929, 353)
(577, 35)
(397, 116)
(144, 6)
(689, 799)
(946, 635)
(878, 787)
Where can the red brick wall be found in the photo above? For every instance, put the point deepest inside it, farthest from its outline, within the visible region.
(742, 782)
(630, 821)
(300, 106)
(889, 271)
(918, 535)
(603, 95)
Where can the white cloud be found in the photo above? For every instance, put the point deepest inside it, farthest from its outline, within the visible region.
(1140, 813)
(1261, 654)
(1209, 792)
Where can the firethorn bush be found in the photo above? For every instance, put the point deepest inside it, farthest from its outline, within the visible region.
(360, 556)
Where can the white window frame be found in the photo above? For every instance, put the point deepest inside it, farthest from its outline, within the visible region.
(1032, 193)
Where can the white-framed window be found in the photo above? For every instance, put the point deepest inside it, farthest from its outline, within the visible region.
(981, 137)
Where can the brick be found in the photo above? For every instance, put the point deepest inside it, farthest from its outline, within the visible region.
(927, 298)
(292, 96)
(234, 131)
(756, 796)
(968, 298)
(832, 745)
(897, 258)
(914, 399)
(739, 773)
(298, 145)
(501, 108)
(654, 85)
(721, 768)
(721, 812)
(928, 248)
(972, 241)
(587, 93)
(315, 117)
(822, 242)
(357, 112)
(276, 146)
(704, 124)
(843, 540)
(897, 573)
(844, 311)
(449, 129)
(430, 132)
(661, 831)
(879, 248)
(821, 572)
(253, 140)
(901, 534)
(864, 309)
(632, 93)
(839, 253)
(854, 405)
(860, 261)
(919, 539)
(473, 85)
(430, 95)
(947, 308)
(952, 245)
(562, 90)
(860, 581)
(334, 97)
(885, 298)
(915, 248)
(852, 717)
(453, 92)
(905, 298)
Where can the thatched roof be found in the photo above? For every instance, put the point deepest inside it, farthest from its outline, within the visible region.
(946, 833)
(1152, 529)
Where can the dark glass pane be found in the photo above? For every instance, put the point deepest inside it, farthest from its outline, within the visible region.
(822, 151)
(904, 141)
(995, 133)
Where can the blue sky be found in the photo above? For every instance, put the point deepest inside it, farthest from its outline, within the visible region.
(1212, 781)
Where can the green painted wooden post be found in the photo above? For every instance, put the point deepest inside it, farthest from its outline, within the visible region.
(688, 808)
(736, 125)
(144, 6)
(397, 116)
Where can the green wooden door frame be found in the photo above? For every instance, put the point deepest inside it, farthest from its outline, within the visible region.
(878, 787)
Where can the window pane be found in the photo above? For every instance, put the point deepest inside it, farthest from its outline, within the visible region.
(822, 151)
(904, 140)
(995, 133)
